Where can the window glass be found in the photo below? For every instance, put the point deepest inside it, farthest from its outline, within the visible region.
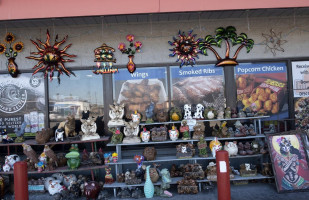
(139, 89)
(263, 86)
(199, 84)
(74, 95)
(22, 99)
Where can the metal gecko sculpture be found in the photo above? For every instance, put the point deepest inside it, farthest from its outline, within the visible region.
(51, 57)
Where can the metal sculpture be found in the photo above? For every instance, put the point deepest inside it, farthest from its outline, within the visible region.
(104, 57)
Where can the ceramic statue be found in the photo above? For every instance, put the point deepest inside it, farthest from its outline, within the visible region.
(199, 130)
(59, 134)
(54, 187)
(69, 126)
(150, 153)
(117, 136)
(115, 157)
(89, 128)
(174, 134)
(20, 132)
(187, 111)
(116, 114)
(199, 112)
(231, 148)
(108, 176)
(148, 187)
(220, 113)
(11, 160)
(175, 114)
(149, 112)
(136, 117)
(69, 179)
(215, 146)
(184, 129)
(73, 157)
(227, 113)
(131, 131)
(145, 135)
(92, 190)
(202, 147)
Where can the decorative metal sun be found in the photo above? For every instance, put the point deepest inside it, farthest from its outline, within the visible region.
(273, 41)
(51, 57)
(186, 48)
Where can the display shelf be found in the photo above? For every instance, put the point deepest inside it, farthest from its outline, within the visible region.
(174, 158)
(191, 140)
(74, 140)
(61, 170)
(176, 179)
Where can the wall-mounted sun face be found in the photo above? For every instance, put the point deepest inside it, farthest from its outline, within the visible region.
(186, 48)
(51, 58)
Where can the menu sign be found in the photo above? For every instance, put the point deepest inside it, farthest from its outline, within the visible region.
(300, 72)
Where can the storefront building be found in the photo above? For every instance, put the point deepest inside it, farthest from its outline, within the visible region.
(278, 59)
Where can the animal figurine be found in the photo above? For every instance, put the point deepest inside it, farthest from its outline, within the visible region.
(11, 160)
(215, 146)
(136, 117)
(199, 130)
(174, 134)
(267, 171)
(108, 176)
(227, 113)
(231, 148)
(59, 134)
(69, 179)
(6, 167)
(187, 111)
(131, 131)
(62, 161)
(199, 110)
(31, 154)
(117, 136)
(58, 176)
(161, 116)
(5, 138)
(220, 113)
(75, 189)
(54, 187)
(69, 126)
(51, 156)
(43, 136)
(19, 132)
(184, 129)
(149, 112)
(89, 128)
(95, 158)
(92, 190)
(116, 113)
(145, 135)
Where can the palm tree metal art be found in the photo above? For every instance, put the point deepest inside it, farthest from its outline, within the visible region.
(230, 36)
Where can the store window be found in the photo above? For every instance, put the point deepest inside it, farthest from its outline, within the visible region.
(263, 86)
(199, 84)
(139, 89)
(22, 99)
(75, 94)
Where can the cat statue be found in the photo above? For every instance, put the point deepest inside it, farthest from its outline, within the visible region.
(69, 179)
(215, 146)
(231, 148)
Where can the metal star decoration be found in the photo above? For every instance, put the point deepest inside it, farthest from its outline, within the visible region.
(273, 41)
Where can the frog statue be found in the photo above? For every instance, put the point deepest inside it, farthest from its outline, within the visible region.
(116, 114)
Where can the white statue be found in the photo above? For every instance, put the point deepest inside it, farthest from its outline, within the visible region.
(131, 131)
(89, 129)
(116, 113)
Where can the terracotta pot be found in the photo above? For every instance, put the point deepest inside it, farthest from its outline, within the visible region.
(131, 65)
(12, 67)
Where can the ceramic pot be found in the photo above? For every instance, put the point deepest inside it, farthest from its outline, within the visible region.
(148, 187)
(12, 67)
(131, 65)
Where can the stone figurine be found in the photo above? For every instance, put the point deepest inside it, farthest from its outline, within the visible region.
(69, 126)
(117, 136)
(92, 190)
(136, 117)
(199, 130)
(149, 112)
(89, 128)
(173, 133)
(131, 131)
(202, 147)
(20, 133)
(199, 112)
(59, 134)
(187, 111)
(231, 148)
(116, 113)
(145, 135)
(215, 146)
(150, 153)
(184, 129)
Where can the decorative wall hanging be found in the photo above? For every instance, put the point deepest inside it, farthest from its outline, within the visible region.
(51, 57)
(186, 48)
(104, 57)
(10, 51)
(229, 35)
(273, 41)
(137, 45)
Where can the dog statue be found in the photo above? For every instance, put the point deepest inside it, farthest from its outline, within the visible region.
(187, 111)
(199, 110)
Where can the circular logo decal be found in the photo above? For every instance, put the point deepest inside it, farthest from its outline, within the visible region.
(12, 98)
(35, 81)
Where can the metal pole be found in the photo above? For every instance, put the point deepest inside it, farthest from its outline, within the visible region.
(21, 181)
(223, 175)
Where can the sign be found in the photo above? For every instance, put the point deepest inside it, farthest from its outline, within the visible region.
(263, 87)
(300, 71)
(199, 84)
(141, 73)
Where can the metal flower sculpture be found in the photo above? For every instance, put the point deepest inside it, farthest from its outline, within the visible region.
(228, 35)
(51, 57)
(11, 53)
(104, 55)
(130, 51)
(186, 48)
(273, 41)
